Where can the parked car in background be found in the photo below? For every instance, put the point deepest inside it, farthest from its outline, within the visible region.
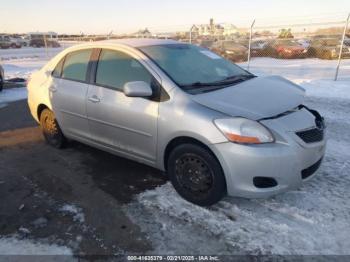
(261, 48)
(287, 48)
(347, 42)
(215, 128)
(2, 78)
(15, 42)
(21, 40)
(5, 41)
(304, 42)
(231, 50)
(328, 48)
(41, 43)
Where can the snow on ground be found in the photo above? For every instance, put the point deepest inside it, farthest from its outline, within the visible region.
(24, 61)
(14, 246)
(75, 211)
(326, 88)
(21, 68)
(12, 94)
(300, 69)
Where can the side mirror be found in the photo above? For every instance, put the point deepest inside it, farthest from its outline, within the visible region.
(137, 89)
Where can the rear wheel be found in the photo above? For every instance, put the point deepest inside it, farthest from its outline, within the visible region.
(196, 174)
(311, 52)
(51, 130)
(280, 55)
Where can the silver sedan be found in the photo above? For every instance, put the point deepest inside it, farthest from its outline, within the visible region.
(215, 128)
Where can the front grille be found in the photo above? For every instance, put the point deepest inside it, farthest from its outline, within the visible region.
(311, 170)
(312, 135)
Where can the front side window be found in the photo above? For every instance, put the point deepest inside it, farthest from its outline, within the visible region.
(193, 67)
(115, 68)
(76, 65)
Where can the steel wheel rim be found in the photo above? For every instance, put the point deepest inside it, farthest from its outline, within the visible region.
(193, 174)
(50, 128)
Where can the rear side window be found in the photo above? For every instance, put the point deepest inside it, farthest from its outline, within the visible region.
(58, 69)
(76, 65)
(116, 68)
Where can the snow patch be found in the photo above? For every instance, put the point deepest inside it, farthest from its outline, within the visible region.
(326, 88)
(13, 94)
(14, 246)
(75, 211)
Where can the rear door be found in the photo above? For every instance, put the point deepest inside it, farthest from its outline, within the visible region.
(68, 93)
(125, 124)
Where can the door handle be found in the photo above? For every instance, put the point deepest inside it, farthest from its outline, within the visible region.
(53, 89)
(94, 99)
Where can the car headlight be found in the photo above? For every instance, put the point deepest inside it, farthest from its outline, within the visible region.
(229, 52)
(244, 131)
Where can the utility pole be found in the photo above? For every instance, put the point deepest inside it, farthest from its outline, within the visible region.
(341, 47)
(109, 34)
(250, 43)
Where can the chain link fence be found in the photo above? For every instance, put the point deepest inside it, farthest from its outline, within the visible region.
(300, 51)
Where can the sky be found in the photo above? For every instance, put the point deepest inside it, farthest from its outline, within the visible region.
(126, 16)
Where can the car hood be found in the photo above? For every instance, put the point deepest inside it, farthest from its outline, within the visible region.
(257, 98)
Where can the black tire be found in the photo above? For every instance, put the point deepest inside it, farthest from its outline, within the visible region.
(196, 174)
(1, 83)
(51, 130)
(280, 55)
(270, 52)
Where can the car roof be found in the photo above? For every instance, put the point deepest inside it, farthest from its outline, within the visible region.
(139, 42)
(127, 42)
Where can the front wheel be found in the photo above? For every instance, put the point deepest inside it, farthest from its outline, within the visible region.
(51, 130)
(196, 174)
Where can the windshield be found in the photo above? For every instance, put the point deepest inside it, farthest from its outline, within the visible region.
(189, 65)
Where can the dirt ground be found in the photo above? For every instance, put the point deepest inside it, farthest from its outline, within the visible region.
(37, 182)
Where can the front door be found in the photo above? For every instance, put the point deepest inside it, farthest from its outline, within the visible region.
(126, 124)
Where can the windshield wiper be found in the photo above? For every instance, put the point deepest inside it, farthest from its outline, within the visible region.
(236, 78)
(199, 84)
(224, 82)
